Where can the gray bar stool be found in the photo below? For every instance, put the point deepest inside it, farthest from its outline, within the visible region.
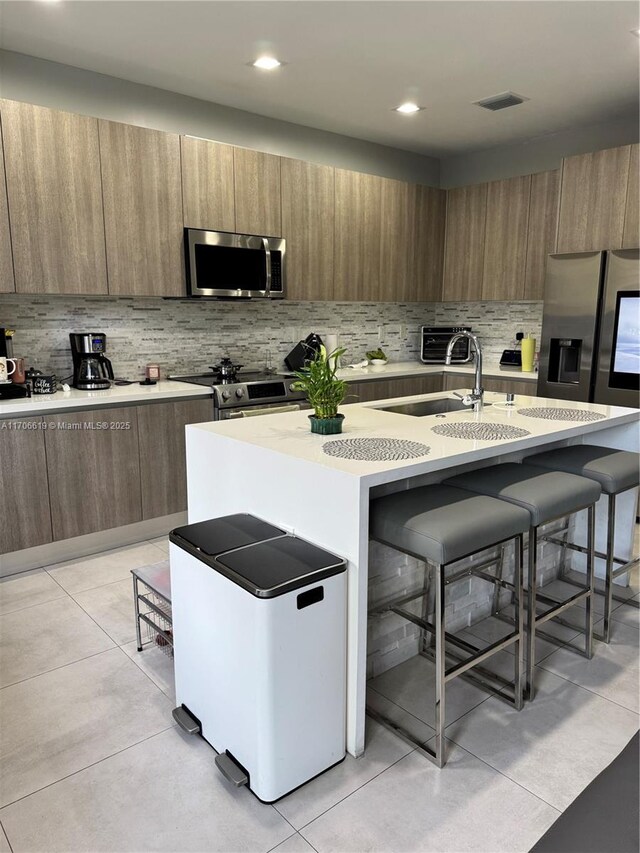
(547, 496)
(441, 525)
(616, 471)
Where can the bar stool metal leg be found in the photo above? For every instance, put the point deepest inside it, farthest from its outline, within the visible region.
(136, 605)
(608, 588)
(518, 680)
(588, 627)
(440, 665)
(532, 585)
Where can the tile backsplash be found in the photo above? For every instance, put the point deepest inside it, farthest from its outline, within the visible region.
(187, 336)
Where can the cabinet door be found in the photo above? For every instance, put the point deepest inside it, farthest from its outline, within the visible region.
(397, 284)
(426, 249)
(308, 197)
(358, 229)
(55, 200)
(94, 470)
(25, 520)
(631, 235)
(257, 193)
(454, 381)
(541, 237)
(207, 184)
(464, 243)
(142, 209)
(162, 453)
(7, 283)
(505, 242)
(592, 200)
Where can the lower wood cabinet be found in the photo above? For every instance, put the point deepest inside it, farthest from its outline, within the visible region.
(163, 473)
(453, 382)
(25, 520)
(384, 389)
(94, 470)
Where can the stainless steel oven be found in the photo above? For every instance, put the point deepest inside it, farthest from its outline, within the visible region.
(434, 345)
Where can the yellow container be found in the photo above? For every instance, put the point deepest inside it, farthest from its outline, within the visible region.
(528, 353)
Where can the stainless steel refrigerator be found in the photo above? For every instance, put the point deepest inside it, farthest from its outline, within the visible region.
(590, 346)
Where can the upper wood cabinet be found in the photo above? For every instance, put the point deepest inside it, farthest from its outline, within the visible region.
(426, 241)
(257, 193)
(631, 234)
(358, 230)
(7, 282)
(25, 520)
(208, 196)
(142, 209)
(308, 198)
(464, 243)
(541, 233)
(505, 242)
(55, 200)
(396, 280)
(592, 200)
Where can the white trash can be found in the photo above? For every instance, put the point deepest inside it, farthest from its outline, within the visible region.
(259, 625)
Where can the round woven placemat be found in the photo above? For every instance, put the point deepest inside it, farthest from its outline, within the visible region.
(560, 414)
(375, 449)
(480, 432)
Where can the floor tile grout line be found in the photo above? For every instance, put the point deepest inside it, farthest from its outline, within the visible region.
(62, 666)
(497, 770)
(4, 832)
(589, 690)
(29, 606)
(82, 769)
(404, 710)
(351, 793)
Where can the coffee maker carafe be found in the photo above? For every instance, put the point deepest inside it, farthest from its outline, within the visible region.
(92, 370)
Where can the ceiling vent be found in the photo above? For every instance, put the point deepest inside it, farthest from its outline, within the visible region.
(501, 101)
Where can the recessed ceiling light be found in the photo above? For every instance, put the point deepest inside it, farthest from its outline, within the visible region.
(408, 107)
(636, 32)
(267, 63)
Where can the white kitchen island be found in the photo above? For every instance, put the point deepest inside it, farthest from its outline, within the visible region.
(275, 468)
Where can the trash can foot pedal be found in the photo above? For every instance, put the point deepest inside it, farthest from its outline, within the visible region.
(186, 722)
(228, 767)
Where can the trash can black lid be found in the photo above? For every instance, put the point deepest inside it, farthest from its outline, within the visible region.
(268, 569)
(218, 535)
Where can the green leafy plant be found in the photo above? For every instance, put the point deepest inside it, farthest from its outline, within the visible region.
(377, 354)
(318, 380)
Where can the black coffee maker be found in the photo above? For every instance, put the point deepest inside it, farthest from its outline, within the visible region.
(92, 370)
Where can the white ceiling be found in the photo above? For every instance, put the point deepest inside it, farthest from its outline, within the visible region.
(349, 63)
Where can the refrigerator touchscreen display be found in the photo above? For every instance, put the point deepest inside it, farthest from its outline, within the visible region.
(625, 360)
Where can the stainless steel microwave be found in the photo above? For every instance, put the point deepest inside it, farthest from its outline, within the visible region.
(242, 266)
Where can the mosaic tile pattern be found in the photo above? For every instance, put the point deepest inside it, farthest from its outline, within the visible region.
(186, 336)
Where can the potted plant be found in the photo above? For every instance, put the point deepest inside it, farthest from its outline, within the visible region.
(324, 390)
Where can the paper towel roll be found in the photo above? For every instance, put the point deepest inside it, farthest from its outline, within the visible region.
(332, 342)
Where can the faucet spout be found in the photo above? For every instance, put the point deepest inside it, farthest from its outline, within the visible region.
(476, 398)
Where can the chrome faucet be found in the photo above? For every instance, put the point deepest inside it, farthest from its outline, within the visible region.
(474, 399)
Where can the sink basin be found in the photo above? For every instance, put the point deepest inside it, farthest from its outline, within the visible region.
(423, 408)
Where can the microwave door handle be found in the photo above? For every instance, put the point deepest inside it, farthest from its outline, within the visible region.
(267, 257)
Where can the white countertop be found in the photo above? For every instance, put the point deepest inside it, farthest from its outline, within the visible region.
(396, 369)
(117, 395)
(289, 434)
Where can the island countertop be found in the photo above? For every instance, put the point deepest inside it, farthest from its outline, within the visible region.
(288, 434)
(275, 468)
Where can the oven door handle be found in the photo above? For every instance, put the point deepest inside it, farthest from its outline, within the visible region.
(268, 410)
(267, 258)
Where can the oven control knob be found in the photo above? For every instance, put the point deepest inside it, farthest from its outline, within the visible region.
(292, 387)
(225, 395)
(240, 393)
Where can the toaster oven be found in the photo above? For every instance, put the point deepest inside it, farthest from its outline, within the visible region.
(434, 345)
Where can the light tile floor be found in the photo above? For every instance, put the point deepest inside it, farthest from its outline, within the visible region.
(91, 759)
